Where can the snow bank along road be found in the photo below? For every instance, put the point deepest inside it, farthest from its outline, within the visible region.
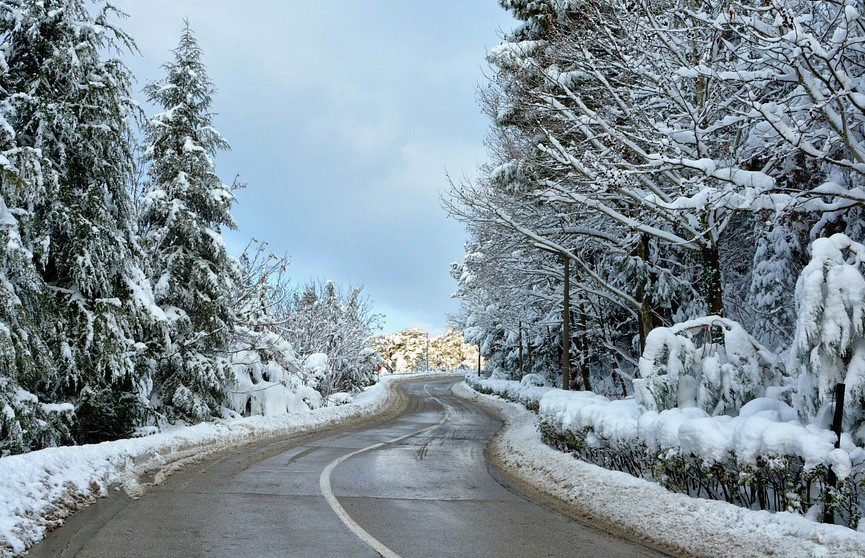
(413, 485)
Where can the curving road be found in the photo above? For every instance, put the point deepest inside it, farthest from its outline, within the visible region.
(412, 486)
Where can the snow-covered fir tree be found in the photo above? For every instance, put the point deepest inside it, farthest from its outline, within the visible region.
(68, 113)
(773, 275)
(184, 209)
(25, 356)
(26, 362)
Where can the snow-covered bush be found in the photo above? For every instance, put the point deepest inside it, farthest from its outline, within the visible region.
(711, 363)
(26, 424)
(267, 376)
(829, 342)
(315, 369)
(535, 380)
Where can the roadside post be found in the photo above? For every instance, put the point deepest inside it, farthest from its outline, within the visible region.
(832, 478)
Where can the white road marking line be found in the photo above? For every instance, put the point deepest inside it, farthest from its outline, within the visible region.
(327, 492)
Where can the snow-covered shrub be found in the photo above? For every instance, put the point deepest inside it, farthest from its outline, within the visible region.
(829, 342)
(315, 369)
(711, 363)
(267, 376)
(339, 398)
(535, 380)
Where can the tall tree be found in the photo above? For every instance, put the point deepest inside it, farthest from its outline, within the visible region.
(25, 356)
(183, 212)
(69, 111)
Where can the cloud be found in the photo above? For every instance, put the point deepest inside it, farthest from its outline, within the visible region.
(343, 117)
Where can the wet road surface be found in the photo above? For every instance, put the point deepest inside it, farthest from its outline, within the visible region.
(413, 486)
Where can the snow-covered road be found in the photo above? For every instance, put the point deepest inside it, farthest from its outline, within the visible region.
(414, 485)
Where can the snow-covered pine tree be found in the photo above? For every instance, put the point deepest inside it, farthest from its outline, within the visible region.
(25, 358)
(183, 212)
(70, 112)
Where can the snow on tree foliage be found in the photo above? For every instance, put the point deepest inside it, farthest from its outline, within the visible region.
(711, 363)
(25, 423)
(183, 211)
(66, 161)
(325, 321)
(829, 343)
(682, 155)
(772, 280)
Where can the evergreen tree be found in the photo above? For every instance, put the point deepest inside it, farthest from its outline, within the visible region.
(773, 280)
(183, 211)
(24, 354)
(66, 167)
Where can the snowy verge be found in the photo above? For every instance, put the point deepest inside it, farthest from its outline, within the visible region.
(38, 490)
(691, 526)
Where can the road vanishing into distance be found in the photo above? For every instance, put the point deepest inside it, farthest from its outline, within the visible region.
(411, 485)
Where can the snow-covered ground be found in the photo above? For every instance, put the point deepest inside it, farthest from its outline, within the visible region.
(39, 489)
(690, 525)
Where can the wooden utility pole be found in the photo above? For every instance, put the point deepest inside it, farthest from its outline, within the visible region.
(566, 327)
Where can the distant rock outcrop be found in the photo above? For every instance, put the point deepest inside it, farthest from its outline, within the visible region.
(415, 349)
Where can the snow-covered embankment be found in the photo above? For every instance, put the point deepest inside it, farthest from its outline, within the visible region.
(692, 526)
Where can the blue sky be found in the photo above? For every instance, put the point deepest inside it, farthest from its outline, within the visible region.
(343, 117)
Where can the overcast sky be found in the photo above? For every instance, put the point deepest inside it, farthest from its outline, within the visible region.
(343, 117)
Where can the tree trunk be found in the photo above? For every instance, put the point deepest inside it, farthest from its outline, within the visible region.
(566, 327)
(648, 319)
(711, 261)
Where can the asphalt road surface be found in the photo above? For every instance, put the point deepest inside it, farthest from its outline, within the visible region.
(412, 486)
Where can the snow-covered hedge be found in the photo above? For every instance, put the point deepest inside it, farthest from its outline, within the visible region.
(761, 459)
(527, 392)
